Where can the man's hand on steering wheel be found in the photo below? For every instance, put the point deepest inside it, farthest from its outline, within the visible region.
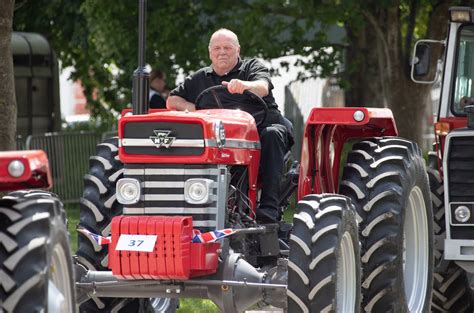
(248, 92)
(236, 86)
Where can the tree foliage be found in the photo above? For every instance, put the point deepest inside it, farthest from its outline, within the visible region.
(99, 38)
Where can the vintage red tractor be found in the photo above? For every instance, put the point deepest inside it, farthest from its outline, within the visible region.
(177, 193)
(35, 259)
(451, 162)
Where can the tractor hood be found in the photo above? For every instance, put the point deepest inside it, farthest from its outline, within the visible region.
(205, 136)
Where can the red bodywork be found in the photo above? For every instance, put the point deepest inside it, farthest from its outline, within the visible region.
(36, 175)
(174, 255)
(326, 132)
(238, 125)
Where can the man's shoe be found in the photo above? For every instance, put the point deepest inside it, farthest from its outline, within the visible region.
(267, 215)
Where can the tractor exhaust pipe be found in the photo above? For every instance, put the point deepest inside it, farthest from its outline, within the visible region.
(140, 91)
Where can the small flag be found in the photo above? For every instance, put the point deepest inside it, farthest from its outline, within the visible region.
(101, 240)
(198, 237)
(211, 236)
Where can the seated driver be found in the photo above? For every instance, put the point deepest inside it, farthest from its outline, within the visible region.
(238, 75)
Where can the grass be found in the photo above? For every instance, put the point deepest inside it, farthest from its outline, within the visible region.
(197, 305)
(73, 219)
(185, 305)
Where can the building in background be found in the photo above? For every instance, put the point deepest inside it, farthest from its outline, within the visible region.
(73, 101)
(36, 84)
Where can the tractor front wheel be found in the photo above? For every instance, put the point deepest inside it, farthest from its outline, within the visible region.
(97, 208)
(386, 180)
(35, 259)
(324, 262)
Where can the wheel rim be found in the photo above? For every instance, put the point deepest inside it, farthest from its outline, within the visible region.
(346, 276)
(160, 304)
(59, 289)
(416, 251)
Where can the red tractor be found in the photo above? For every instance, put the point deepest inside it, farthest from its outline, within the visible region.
(451, 162)
(177, 192)
(35, 259)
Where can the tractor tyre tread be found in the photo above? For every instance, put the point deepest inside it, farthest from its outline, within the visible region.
(378, 177)
(314, 250)
(98, 206)
(32, 224)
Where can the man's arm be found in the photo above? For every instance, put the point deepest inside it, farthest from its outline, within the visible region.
(258, 87)
(179, 104)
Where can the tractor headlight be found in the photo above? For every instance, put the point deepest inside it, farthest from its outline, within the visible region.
(462, 214)
(197, 190)
(358, 116)
(16, 168)
(128, 191)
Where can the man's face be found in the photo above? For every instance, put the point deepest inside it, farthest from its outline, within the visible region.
(223, 52)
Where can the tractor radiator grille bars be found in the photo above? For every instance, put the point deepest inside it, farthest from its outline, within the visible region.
(461, 169)
(163, 192)
(163, 138)
(460, 181)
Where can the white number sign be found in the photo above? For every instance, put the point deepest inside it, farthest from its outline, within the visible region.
(145, 243)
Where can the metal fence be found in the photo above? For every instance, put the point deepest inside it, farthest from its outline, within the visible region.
(68, 154)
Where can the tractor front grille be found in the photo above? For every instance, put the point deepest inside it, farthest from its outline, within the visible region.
(163, 138)
(460, 177)
(163, 192)
(461, 169)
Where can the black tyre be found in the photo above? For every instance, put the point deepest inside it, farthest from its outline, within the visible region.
(324, 262)
(386, 180)
(437, 201)
(451, 292)
(97, 208)
(35, 259)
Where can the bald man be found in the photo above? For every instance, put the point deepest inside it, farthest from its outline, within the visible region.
(228, 69)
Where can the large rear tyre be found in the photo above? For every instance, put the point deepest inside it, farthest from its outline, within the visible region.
(386, 180)
(324, 262)
(451, 292)
(35, 259)
(97, 208)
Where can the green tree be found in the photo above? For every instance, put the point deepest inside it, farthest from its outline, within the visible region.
(380, 39)
(7, 84)
(99, 38)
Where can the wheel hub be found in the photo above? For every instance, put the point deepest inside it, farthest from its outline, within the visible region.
(59, 291)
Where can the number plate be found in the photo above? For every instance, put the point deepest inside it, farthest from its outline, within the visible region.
(145, 243)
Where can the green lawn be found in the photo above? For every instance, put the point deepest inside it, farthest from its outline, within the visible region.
(186, 305)
(72, 219)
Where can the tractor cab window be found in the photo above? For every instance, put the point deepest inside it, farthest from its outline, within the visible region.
(464, 83)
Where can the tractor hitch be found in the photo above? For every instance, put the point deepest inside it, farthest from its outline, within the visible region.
(236, 286)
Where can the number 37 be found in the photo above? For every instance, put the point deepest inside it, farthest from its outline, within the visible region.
(135, 243)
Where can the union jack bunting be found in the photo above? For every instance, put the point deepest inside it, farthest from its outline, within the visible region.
(101, 240)
(211, 236)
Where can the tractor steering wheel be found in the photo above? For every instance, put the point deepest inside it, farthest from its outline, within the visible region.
(248, 93)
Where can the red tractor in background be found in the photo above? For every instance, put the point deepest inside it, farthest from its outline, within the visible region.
(35, 259)
(451, 163)
(177, 193)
